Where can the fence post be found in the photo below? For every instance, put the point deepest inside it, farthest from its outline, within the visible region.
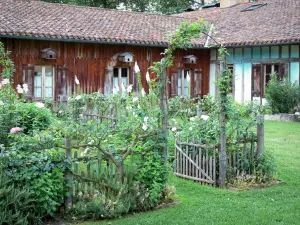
(68, 199)
(260, 135)
(222, 150)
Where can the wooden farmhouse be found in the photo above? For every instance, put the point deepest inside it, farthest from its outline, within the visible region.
(52, 43)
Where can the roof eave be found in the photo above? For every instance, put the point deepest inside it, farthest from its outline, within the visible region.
(158, 45)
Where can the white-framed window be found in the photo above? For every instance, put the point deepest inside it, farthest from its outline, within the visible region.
(43, 82)
(183, 82)
(121, 75)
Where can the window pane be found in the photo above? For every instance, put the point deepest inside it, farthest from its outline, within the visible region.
(124, 72)
(49, 71)
(186, 91)
(124, 81)
(38, 81)
(116, 84)
(48, 93)
(179, 83)
(48, 81)
(38, 92)
(186, 83)
(116, 72)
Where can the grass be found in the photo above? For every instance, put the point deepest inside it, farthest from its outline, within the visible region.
(200, 204)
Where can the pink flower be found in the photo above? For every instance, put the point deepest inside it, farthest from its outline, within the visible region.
(15, 130)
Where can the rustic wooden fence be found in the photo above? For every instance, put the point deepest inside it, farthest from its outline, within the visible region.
(200, 162)
(241, 154)
(90, 174)
(195, 161)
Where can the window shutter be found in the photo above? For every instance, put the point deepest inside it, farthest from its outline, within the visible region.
(256, 81)
(174, 81)
(28, 78)
(197, 82)
(62, 83)
(108, 83)
(283, 71)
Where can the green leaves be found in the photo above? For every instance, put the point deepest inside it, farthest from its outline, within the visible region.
(282, 95)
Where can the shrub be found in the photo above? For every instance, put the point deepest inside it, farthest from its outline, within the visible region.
(29, 163)
(17, 204)
(8, 101)
(153, 174)
(32, 116)
(282, 95)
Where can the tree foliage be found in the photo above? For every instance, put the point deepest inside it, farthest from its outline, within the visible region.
(160, 6)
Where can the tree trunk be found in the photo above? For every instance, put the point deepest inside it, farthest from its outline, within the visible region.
(260, 136)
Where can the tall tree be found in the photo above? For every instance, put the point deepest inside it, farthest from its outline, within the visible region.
(160, 6)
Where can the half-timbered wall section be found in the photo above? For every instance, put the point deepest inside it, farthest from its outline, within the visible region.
(252, 67)
(96, 66)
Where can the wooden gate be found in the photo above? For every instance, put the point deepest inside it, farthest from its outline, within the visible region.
(195, 161)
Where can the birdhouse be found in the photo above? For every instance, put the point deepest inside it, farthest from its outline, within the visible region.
(125, 57)
(49, 53)
(190, 59)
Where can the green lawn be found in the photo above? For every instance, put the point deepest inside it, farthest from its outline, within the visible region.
(200, 204)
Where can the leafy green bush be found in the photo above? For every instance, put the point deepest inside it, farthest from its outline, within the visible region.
(28, 162)
(282, 95)
(32, 116)
(8, 101)
(17, 204)
(265, 167)
(154, 175)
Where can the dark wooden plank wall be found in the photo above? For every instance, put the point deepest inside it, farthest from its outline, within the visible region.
(89, 61)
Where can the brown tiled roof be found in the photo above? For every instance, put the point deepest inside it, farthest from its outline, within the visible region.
(59, 21)
(277, 22)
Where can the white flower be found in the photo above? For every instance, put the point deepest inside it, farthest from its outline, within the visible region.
(135, 99)
(25, 88)
(190, 128)
(129, 88)
(5, 81)
(1, 103)
(192, 119)
(123, 87)
(86, 150)
(76, 80)
(136, 68)
(146, 119)
(173, 129)
(147, 77)
(19, 89)
(91, 142)
(188, 78)
(144, 127)
(143, 92)
(78, 97)
(116, 90)
(39, 105)
(204, 117)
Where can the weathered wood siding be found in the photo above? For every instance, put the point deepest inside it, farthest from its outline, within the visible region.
(92, 62)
